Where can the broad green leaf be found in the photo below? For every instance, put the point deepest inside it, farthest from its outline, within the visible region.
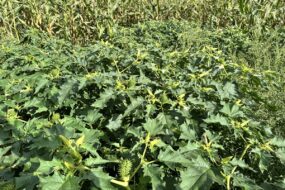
(115, 123)
(46, 167)
(105, 96)
(90, 161)
(277, 141)
(73, 123)
(230, 88)
(150, 109)
(245, 183)
(92, 136)
(153, 126)
(217, 119)
(59, 182)
(226, 91)
(156, 176)
(134, 104)
(232, 111)
(35, 102)
(279, 185)
(171, 157)
(41, 84)
(187, 133)
(71, 183)
(65, 90)
(26, 182)
(92, 116)
(4, 151)
(199, 176)
(264, 159)
(82, 82)
(100, 179)
(191, 148)
(280, 153)
(239, 163)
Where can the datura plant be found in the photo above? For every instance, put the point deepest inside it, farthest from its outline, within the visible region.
(159, 105)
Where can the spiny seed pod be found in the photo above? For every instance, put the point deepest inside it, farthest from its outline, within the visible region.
(125, 169)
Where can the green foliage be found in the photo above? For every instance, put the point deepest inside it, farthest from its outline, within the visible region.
(7, 186)
(199, 176)
(154, 106)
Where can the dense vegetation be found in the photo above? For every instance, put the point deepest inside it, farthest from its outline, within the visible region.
(97, 95)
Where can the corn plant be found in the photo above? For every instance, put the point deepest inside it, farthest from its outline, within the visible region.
(81, 21)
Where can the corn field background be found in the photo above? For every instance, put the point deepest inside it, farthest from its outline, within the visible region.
(84, 20)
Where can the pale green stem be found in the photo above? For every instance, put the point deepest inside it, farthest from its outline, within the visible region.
(228, 177)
